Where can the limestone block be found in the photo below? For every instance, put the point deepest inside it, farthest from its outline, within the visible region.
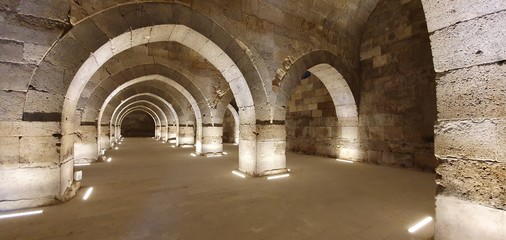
(470, 139)
(29, 182)
(13, 29)
(50, 9)
(111, 23)
(39, 150)
(474, 221)
(479, 90)
(10, 109)
(15, 76)
(481, 182)
(12, 51)
(34, 53)
(440, 14)
(84, 30)
(9, 150)
(475, 42)
(159, 13)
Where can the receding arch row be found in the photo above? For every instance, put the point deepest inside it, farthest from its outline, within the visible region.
(178, 87)
(162, 117)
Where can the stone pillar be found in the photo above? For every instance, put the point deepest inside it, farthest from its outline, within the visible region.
(186, 135)
(212, 139)
(103, 140)
(85, 146)
(271, 145)
(164, 133)
(158, 132)
(173, 136)
(469, 50)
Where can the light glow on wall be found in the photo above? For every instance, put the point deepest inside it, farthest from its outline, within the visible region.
(240, 174)
(420, 224)
(20, 214)
(278, 176)
(344, 161)
(88, 193)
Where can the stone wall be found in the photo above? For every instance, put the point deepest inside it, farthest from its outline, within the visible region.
(311, 122)
(228, 127)
(138, 124)
(397, 108)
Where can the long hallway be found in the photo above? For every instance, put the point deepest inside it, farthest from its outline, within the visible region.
(153, 191)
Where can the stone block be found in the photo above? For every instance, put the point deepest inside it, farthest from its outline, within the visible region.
(474, 92)
(50, 9)
(9, 150)
(11, 107)
(12, 51)
(15, 76)
(39, 150)
(469, 43)
(480, 182)
(470, 139)
(33, 182)
(34, 53)
(441, 14)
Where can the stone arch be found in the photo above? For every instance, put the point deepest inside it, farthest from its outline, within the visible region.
(142, 109)
(344, 92)
(236, 121)
(161, 113)
(167, 105)
(170, 82)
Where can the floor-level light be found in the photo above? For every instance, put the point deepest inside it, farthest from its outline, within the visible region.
(116, 148)
(193, 154)
(240, 174)
(187, 146)
(278, 176)
(173, 146)
(344, 161)
(20, 214)
(420, 224)
(81, 164)
(88, 193)
(109, 159)
(225, 153)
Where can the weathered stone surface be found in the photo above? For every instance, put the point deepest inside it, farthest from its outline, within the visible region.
(15, 76)
(11, 108)
(474, 92)
(442, 14)
(480, 182)
(470, 43)
(471, 139)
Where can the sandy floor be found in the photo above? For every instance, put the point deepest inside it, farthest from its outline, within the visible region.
(153, 191)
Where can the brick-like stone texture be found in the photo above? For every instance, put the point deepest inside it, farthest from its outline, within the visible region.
(397, 107)
(311, 122)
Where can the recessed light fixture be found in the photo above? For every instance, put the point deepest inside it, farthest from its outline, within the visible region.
(240, 174)
(88, 193)
(225, 153)
(344, 161)
(116, 148)
(278, 176)
(20, 214)
(193, 154)
(420, 224)
(109, 159)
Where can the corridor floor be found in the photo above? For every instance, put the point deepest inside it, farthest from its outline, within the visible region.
(152, 191)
